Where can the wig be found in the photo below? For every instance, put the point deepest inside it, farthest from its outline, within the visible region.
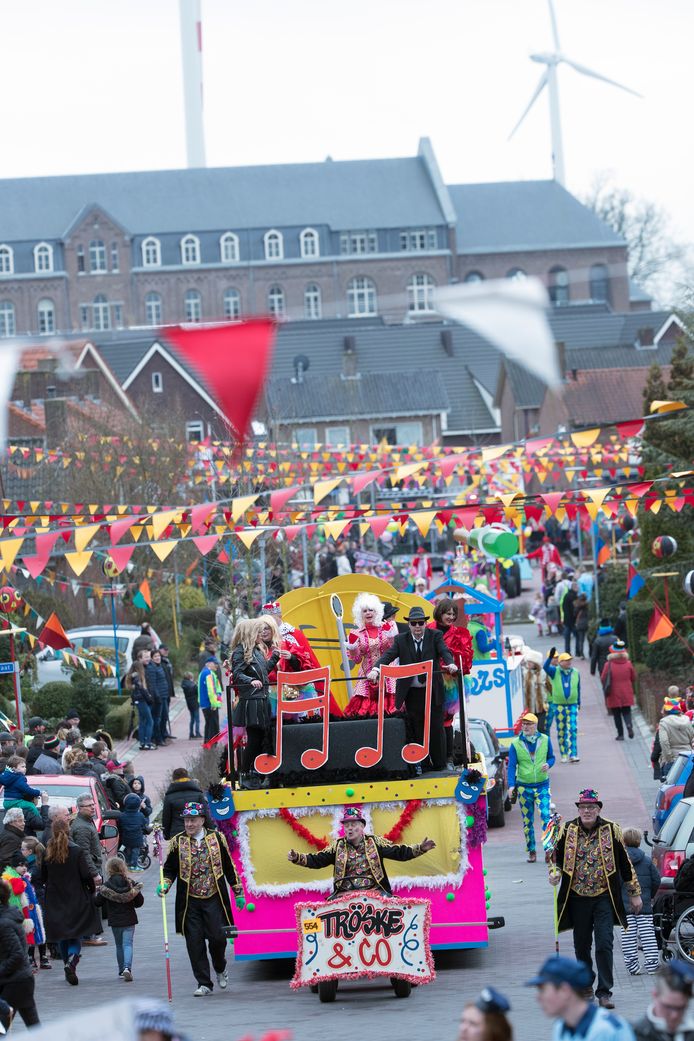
(365, 601)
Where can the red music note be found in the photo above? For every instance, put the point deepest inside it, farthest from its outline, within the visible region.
(312, 758)
(414, 752)
(368, 755)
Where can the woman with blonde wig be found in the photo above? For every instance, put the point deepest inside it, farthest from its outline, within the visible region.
(370, 638)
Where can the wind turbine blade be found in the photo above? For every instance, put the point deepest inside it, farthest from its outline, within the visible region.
(538, 90)
(555, 30)
(597, 76)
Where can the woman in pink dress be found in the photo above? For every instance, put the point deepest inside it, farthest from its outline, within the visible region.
(370, 638)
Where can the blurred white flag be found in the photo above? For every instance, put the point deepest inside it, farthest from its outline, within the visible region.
(9, 356)
(511, 315)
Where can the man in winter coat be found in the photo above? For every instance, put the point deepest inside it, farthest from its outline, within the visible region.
(668, 1018)
(83, 832)
(618, 678)
(11, 835)
(210, 696)
(182, 790)
(168, 669)
(48, 762)
(132, 825)
(158, 686)
(601, 646)
(675, 732)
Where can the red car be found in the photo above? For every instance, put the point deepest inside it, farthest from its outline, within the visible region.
(63, 790)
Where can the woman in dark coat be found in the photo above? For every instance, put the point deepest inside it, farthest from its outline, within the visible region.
(250, 672)
(16, 977)
(70, 911)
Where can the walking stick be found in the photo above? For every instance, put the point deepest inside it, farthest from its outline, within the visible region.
(549, 843)
(159, 838)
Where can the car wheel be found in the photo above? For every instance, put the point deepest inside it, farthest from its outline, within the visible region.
(497, 819)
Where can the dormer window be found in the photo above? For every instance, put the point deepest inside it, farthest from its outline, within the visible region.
(190, 250)
(274, 245)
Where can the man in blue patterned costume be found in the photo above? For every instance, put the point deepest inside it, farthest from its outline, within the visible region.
(529, 761)
(564, 704)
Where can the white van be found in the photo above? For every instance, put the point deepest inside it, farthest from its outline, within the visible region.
(96, 639)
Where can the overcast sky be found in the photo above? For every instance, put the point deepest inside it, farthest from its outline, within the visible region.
(95, 86)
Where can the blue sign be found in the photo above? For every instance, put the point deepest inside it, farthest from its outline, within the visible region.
(8, 666)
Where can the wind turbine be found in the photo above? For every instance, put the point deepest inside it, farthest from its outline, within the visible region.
(552, 60)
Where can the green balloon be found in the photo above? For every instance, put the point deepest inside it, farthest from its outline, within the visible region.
(349, 792)
(469, 821)
(484, 871)
(450, 896)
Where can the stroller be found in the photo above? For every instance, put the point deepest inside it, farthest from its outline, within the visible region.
(144, 859)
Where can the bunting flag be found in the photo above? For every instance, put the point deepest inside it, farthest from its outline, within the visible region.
(602, 551)
(634, 582)
(232, 360)
(660, 626)
(143, 597)
(53, 635)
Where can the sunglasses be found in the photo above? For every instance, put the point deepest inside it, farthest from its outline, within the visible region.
(417, 625)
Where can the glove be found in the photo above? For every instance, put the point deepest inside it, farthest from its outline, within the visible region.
(514, 795)
(552, 652)
(162, 890)
(240, 901)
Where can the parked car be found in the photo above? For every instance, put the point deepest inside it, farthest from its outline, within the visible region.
(672, 789)
(97, 639)
(675, 843)
(63, 790)
(486, 742)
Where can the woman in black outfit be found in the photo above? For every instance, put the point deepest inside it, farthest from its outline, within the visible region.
(250, 669)
(16, 977)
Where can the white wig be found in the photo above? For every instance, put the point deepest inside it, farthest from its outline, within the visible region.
(366, 600)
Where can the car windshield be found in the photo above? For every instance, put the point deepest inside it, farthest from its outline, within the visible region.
(676, 769)
(480, 739)
(674, 822)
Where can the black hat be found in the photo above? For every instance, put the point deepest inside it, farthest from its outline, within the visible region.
(72, 713)
(492, 1000)
(389, 611)
(417, 615)
(36, 721)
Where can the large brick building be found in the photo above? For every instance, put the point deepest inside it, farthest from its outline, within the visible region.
(343, 240)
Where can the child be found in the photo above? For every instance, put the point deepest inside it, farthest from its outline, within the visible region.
(132, 825)
(137, 785)
(190, 693)
(33, 851)
(17, 791)
(552, 616)
(119, 896)
(538, 614)
(640, 926)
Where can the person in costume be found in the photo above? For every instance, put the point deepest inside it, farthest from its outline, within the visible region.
(548, 555)
(199, 862)
(292, 658)
(485, 1019)
(530, 759)
(358, 857)
(304, 652)
(562, 984)
(457, 638)
(564, 703)
(250, 669)
(210, 695)
(590, 865)
(536, 687)
(370, 638)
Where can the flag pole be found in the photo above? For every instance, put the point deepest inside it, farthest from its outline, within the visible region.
(115, 634)
(160, 852)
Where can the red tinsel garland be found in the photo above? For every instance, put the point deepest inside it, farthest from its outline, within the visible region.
(301, 831)
(405, 818)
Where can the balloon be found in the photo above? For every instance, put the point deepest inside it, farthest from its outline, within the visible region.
(110, 568)
(10, 599)
(627, 524)
(494, 540)
(688, 583)
(664, 546)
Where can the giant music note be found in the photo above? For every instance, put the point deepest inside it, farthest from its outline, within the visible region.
(312, 758)
(370, 755)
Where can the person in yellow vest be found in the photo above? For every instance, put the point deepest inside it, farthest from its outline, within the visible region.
(565, 701)
(530, 759)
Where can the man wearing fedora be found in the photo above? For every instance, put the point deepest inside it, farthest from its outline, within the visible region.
(590, 865)
(358, 858)
(417, 645)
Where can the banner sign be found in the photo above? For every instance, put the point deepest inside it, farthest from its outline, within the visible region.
(363, 935)
(495, 693)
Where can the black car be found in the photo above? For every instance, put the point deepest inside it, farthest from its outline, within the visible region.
(485, 741)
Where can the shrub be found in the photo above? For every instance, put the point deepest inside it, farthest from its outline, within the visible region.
(118, 719)
(84, 693)
(52, 700)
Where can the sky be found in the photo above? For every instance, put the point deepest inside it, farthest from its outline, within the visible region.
(96, 87)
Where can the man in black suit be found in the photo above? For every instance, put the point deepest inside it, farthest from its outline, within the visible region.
(421, 644)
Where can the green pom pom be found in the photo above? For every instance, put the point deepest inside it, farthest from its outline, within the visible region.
(484, 871)
(469, 821)
(450, 896)
(250, 907)
(235, 834)
(349, 792)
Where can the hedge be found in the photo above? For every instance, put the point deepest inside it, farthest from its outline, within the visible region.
(118, 719)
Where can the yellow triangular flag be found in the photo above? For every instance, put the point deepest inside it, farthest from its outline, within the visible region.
(323, 488)
(78, 561)
(333, 529)
(423, 521)
(83, 537)
(162, 549)
(249, 536)
(240, 505)
(9, 548)
(585, 438)
(161, 521)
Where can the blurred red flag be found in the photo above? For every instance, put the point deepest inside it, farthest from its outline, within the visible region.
(53, 635)
(660, 626)
(232, 360)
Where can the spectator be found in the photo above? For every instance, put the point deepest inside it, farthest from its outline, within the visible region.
(142, 700)
(667, 1018)
(11, 835)
(640, 930)
(145, 641)
(119, 896)
(568, 611)
(34, 751)
(581, 619)
(620, 626)
(208, 651)
(98, 757)
(675, 732)
(132, 824)
(17, 791)
(169, 670)
(70, 910)
(72, 740)
(618, 678)
(344, 566)
(158, 687)
(561, 985)
(210, 696)
(190, 693)
(275, 587)
(601, 646)
(137, 785)
(485, 1019)
(49, 761)
(16, 976)
(84, 834)
(115, 783)
(182, 790)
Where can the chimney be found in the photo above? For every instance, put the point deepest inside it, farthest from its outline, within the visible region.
(561, 359)
(56, 421)
(191, 55)
(301, 364)
(349, 359)
(447, 341)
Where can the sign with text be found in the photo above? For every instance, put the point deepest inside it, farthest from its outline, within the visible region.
(363, 934)
(495, 692)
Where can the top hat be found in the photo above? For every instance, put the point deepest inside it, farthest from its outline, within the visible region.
(193, 809)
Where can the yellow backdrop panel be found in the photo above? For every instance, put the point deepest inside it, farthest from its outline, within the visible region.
(270, 840)
(440, 823)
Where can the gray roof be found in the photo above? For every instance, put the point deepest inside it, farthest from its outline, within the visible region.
(618, 357)
(418, 393)
(510, 216)
(528, 391)
(598, 327)
(123, 351)
(361, 194)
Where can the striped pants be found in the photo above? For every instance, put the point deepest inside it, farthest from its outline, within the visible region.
(567, 730)
(528, 799)
(640, 931)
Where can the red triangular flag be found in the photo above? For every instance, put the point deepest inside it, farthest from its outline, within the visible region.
(659, 626)
(233, 360)
(120, 555)
(279, 498)
(53, 635)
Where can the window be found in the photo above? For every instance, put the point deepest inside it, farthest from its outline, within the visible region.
(337, 437)
(153, 309)
(157, 383)
(101, 315)
(232, 304)
(79, 253)
(275, 301)
(151, 252)
(84, 316)
(310, 243)
(516, 274)
(306, 438)
(229, 248)
(190, 250)
(118, 315)
(361, 297)
(412, 241)
(97, 256)
(195, 430)
(312, 301)
(358, 242)
(599, 284)
(6, 260)
(46, 315)
(115, 261)
(7, 323)
(474, 276)
(193, 306)
(43, 257)
(420, 290)
(559, 286)
(274, 245)
(399, 434)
